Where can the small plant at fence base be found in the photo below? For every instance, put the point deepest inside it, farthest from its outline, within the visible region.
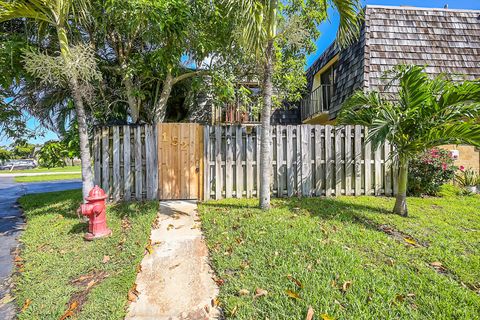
(468, 179)
(430, 171)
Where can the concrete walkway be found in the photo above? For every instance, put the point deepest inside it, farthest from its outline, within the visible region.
(176, 281)
(11, 225)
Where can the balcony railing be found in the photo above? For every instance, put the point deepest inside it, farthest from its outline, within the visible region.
(318, 101)
(234, 114)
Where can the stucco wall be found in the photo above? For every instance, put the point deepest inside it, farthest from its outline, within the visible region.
(469, 156)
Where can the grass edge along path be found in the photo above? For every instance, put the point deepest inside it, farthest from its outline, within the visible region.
(57, 272)
(45, 178)
(46, 170)
(337, 256)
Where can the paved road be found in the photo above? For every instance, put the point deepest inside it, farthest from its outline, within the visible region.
(11, 225)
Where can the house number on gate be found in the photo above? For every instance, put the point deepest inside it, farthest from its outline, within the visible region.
(183, 144)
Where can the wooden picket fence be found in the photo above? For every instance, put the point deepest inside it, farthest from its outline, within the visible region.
(125, 161)
(308, 160)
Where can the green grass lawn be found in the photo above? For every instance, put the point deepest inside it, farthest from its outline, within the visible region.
(57, 267)
(347, 258)
(37, 170)
(53, 177)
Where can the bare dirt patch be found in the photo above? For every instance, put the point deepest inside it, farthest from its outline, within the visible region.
(402, 237)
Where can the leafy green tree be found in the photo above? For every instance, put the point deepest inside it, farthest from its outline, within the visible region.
(74, 69)
(21, 149)
(423, 114)
(52, 154)
(279, 34)
(5, 154)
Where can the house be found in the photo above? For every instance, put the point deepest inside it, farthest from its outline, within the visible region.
(446, 40)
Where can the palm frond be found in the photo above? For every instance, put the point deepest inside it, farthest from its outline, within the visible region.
(350, 21)
(30, 9)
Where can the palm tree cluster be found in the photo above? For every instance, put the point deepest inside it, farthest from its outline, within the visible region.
(423, 113)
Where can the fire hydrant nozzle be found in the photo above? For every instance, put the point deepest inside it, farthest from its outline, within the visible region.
(95, 210)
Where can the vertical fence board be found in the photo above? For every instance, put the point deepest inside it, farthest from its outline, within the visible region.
(368, 166)
(206, 163)
(388, 170)
(378, 171)
(138, 163)
(280, 175)
(116, 164)
(358, 160)
(257, 161)
(249, 165)
(318, 161)
(328, 160)
(348, 160)
(298, 157)
(97, 154)
(338, 162)
(306, 138)
(218, 162)
(106, 160)
(228, 162)
(290, 172)
(238, 162)
(127, 170)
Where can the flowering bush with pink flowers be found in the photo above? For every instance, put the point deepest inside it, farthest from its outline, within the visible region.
(431, 170)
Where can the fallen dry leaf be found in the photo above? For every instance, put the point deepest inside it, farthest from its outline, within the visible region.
(410, 241)
(310, 313)
(215, 302)
(106, 259)
(325, 316)
(18, 259)
(70, 310)
(149, 248)
(133, 293)
(297, 282)
(170, 227)
(346, 285)
(26, 304)
(243, 292)
(259, 292)
(292, 294)
(436, 264)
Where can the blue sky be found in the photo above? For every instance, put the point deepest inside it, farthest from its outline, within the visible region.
(328, 30)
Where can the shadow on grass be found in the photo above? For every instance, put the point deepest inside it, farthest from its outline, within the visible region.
(324, 208)
(130, 209)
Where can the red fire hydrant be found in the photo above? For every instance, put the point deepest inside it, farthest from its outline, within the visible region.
(95, 210)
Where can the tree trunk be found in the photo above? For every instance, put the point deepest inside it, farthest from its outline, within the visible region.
(161, 104)
(132, 100)
(87, 175)
(265, 143)
(401, 201)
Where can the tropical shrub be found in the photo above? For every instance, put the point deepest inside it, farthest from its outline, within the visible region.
(467, 178)
(429, 171)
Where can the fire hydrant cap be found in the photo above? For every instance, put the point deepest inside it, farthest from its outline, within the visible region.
(96, 193)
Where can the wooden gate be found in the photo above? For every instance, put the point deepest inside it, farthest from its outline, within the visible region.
(180, 147)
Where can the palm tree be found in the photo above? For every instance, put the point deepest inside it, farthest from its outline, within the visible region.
(57, 13)
(258, 32)
(423, 114)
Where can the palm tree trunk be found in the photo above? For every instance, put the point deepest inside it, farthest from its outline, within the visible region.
(401, 201)
(265, 143)
(161, 104)
(87, 174)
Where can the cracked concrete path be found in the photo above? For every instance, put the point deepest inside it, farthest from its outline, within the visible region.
(176, 281)
(11, 225)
